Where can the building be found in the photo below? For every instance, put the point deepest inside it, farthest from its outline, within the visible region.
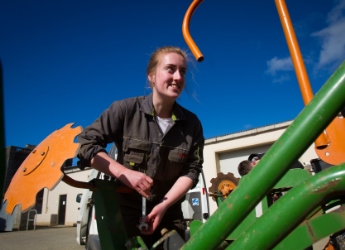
(59, 205)
(221, 154)
(15, 156)
(224, 153)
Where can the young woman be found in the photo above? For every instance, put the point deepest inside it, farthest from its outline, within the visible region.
(160, 147)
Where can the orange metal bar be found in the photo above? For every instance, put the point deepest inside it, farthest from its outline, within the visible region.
(91, 186)
(295, 52)
(329, 146)
(297, 60)
(185, 31)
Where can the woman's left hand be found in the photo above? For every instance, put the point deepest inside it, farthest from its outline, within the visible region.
(178, 190)
(154, 218)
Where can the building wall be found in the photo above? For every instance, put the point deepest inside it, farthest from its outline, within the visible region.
(50, 207)
(239, 146)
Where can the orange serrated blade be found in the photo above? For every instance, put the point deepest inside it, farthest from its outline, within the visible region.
(42, 168)
(334, 152)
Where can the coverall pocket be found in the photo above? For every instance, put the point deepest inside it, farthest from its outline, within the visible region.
(176, 160)
(136, 154)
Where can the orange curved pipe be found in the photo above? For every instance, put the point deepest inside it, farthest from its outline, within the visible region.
(185, 31)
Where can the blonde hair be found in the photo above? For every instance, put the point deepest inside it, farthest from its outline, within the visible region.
(156, 56)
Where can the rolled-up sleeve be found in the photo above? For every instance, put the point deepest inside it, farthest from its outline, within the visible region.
(195, 160)
(99, 134)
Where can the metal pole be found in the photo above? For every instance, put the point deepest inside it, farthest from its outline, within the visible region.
(275, 163)
(329, 145)
(295, 52)
(291, 209)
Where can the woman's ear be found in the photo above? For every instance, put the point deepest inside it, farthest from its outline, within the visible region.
(151, 78)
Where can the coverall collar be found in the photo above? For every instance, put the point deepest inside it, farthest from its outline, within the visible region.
(147, 108)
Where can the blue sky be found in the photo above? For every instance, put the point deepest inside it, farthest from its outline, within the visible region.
(66, 61)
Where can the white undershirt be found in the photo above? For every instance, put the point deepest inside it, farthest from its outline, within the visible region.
(164, 123)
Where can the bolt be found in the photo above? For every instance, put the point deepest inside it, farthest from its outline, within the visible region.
(128, 244)
(24, 170)
(42, 153)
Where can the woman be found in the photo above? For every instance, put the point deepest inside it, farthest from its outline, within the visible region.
(160, 147)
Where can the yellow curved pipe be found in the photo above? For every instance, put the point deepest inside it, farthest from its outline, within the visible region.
(185, 31)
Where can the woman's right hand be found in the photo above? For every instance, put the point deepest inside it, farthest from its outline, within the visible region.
(138, 181)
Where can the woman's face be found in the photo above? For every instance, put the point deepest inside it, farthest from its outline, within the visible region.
(169, 79)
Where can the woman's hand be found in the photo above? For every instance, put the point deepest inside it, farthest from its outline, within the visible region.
(154, 218)
(138, 181)
(178, 190)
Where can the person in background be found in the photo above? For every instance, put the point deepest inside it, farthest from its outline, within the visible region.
(245, 166)
(160, 148)
(256, 157)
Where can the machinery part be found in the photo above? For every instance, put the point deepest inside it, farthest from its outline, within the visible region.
(42, 168)
(223, 185)
(143, 225)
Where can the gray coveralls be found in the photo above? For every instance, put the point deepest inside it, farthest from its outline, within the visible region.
(131, 125)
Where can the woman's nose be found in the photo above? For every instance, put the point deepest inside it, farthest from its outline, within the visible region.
(177, 75)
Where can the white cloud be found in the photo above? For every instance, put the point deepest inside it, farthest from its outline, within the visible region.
(337, 12)
(281, 79)
(332, 38)
(275, 64)
(332, 52)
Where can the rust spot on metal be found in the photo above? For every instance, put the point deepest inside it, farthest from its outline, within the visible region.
(230, 206)
(325, 187)
(247, 197)
(310, 231)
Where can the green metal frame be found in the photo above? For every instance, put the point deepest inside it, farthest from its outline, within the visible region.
(284, 152)
(292, 209)
(291, 179)
(111, 229)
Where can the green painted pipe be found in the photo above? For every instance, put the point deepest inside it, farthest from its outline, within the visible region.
(291, 209)
(308, 125)
(314, 230)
